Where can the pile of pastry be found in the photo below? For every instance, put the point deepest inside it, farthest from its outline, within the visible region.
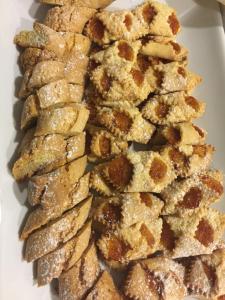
(122, 77)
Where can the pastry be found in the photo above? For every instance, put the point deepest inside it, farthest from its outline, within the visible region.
(41, 215)
(156, 278)
(197, 191)
(77, 281)
(63, 258)
(192, 234)
(46, 153)
(68, 18)
(86, 3)
(126, 123)
(104, 289)
(47, 239)
(172, 108)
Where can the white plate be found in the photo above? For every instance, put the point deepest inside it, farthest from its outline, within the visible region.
(202, 34)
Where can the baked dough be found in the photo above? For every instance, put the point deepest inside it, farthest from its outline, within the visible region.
(86, 3)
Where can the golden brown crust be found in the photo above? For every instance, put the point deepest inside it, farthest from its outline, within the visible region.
(86, 3)
(46, 153)
(74, 283)
(51, 265)
(49, 238)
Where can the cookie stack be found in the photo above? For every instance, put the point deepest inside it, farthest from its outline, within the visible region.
(126, 81)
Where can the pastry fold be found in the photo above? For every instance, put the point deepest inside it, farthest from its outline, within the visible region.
(172, 108)
(151, 17)
(63, 258)
(46, 153)
(72, 286)
(197, 191)
(47, 239)
(155, 278)
(87, 3)
(126, 123)
(192, 234)
(68, 18)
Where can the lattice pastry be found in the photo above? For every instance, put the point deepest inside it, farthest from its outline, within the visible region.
(192, 193)
(68, 18)
(64, 257)
(181, 134)
(102, 144)
(205, 276)
(49, 238)
(46, 153)
(104, 289)
(172, 108)
(139, 172)
(31, 56)
(149, 18)
(155, 278)
(188, 160)
(73, 285)
(87, 3)
(195, 234)
(131, 243)
(126, 123)
(163, 48)
(125, 210)
(55, 93)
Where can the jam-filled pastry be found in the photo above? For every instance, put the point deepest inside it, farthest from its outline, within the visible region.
(189, 159)
(149, 18)
(71, 18)
(46, 153)
(41, 215)
(98, 183)
(125, 210)
(42, 37)
(126, 123)
(104, 289)
(103, 144)
(155, 278)
(68, 119)
(163, 48)
(142, 171)
(87, 3)
(58, 92)
(48, 238)
(75, 283)
(205, 276)
(192, 234)
(172, 108)
(31, 56)
(197, 191)
(130, 243)
(64, 257)
(180, 134)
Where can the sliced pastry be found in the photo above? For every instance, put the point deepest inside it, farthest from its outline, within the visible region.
(77, 281)
(155, 278)
(180, 134)
(142, 171)
(149, 18)
(205, 276)
(192, 234)
(49, 238)
(104, 289)
(63, 258)
(189, 159)
(87, 3)
(102, 144)
(68, 119)
(197, 191)
(172, 108)
(131, 243)
(126, 123)
(68, 18)
(46, 153)
(52, 208)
